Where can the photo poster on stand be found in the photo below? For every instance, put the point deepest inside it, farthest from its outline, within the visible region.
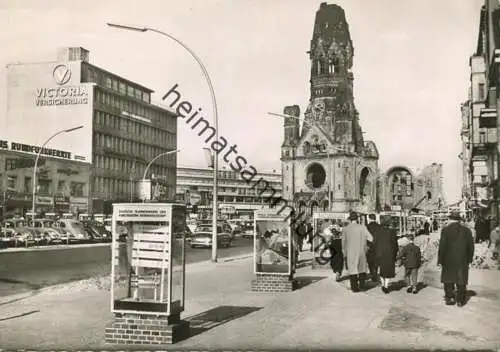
(327, 227)
(272, 244)
(144, 258)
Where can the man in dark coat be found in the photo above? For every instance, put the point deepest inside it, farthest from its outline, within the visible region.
(386, 251)
(374, 229)
(456, 251)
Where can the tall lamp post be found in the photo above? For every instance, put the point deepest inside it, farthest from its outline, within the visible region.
(36, 164)
(216, 119)
(313, 125)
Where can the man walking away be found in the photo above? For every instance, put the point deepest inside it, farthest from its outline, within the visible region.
(456, 251)
(354, 247)
(435, 225)
(411, 256)
(374, 229)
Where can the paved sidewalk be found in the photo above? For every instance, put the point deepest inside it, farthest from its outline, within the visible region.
(224, 313)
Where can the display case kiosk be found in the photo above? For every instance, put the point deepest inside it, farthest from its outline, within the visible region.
(327, 227)
(274, 252)
(148, 274)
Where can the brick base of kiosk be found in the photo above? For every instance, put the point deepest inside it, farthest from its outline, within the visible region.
(273, 283)
(136, 329)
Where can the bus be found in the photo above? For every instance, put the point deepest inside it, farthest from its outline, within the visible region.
(394, 220)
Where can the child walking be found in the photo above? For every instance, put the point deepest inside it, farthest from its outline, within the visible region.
(411, 257)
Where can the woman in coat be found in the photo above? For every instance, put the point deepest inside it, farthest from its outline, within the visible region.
(337, 258)
(386, 252)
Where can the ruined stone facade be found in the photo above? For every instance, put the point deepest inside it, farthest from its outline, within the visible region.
(326, 164)
(422, 189)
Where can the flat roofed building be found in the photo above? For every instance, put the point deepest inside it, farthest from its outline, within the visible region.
(236, 197)
(123, 130)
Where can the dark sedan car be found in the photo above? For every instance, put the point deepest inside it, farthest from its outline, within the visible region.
(97, 231)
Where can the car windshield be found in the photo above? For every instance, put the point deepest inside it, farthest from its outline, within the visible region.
(77, 226)
(202, 234)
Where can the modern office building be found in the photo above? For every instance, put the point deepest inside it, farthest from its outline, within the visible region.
(237, 198)
(88, 169)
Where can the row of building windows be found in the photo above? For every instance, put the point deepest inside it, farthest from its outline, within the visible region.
(161, 119)
(133, 127)
(46, 186)
(91, 74)
(128, 166)
(129, 147)
(110, 186)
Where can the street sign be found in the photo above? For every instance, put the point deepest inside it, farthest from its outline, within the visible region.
(194, 198)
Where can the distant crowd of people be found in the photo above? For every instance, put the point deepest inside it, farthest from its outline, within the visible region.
(372, 253)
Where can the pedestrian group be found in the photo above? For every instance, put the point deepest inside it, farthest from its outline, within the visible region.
(372, 253)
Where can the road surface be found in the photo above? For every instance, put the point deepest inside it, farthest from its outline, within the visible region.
(31, 270)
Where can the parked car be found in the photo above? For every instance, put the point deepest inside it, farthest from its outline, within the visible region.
(248, 232)
(23, 236)
(204, 239)
(74, 228)
(97, 231)
(51, 234)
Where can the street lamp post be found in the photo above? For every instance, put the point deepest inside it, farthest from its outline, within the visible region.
(36, 164)
(216, 119)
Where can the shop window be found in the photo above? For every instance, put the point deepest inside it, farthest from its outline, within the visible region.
(61, 185)
(44, 187)
(76, 189)
(28, 185)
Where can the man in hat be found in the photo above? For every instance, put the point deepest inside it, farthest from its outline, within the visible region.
(355, 239)
(456, 251)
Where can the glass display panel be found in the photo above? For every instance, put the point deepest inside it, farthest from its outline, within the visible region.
(327, 228)
(179, 228)
(141, 258)
(272, 246)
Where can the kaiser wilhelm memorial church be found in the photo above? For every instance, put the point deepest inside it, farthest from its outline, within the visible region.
(326, 164)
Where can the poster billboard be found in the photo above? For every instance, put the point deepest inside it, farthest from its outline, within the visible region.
(327, 227)
(273, 245)
(45, 98)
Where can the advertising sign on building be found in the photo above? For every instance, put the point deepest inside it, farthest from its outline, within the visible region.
(51, 97)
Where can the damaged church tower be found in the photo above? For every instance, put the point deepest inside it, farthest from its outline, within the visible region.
(326, 164)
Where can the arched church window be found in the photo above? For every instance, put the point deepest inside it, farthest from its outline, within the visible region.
(307, 148)
(331, 67)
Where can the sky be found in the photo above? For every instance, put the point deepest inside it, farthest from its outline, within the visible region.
(411, 66)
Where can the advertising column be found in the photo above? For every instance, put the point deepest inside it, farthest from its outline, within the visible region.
(273, 252)
(148, 274)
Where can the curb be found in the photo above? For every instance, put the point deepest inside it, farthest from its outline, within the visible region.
(53, 248)
(17, 297)
(220, 260)
(21, 296)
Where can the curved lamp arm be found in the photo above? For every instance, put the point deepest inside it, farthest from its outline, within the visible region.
(155, 158)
